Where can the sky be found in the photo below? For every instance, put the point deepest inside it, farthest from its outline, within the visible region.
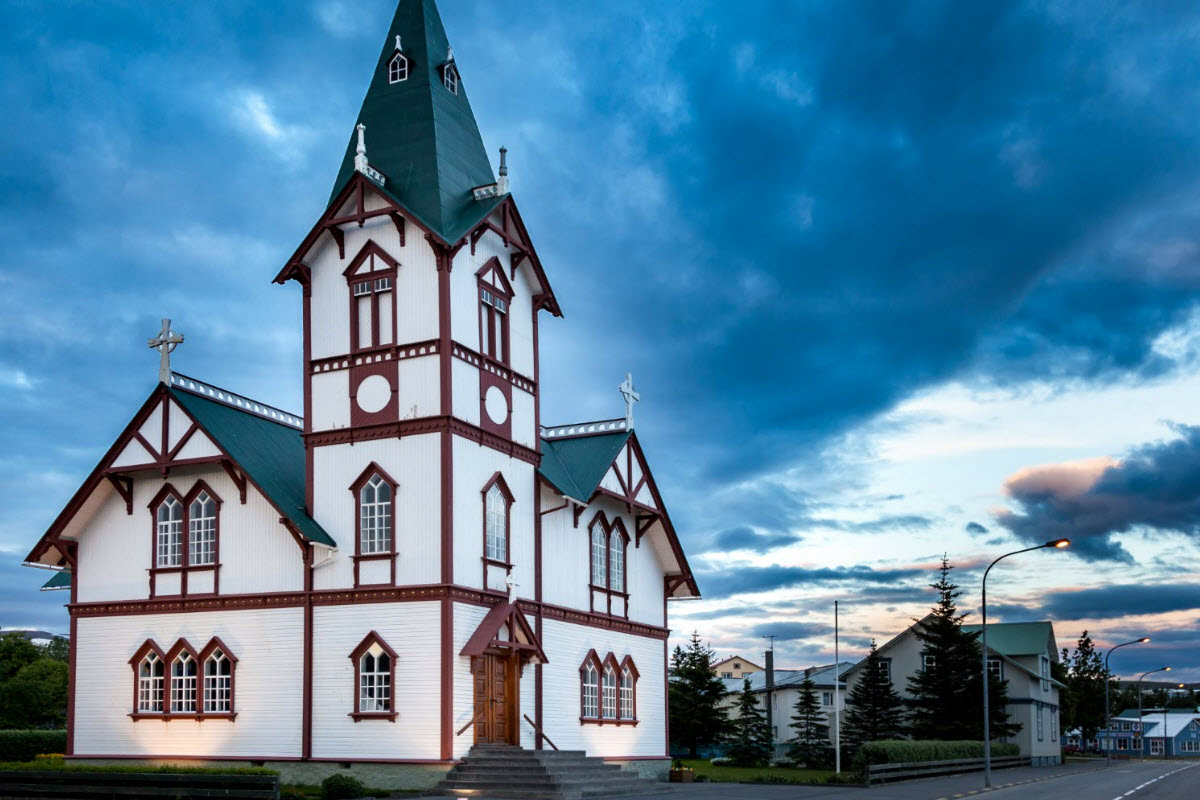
(895, 281)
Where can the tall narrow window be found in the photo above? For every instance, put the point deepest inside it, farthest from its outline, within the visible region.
(450, 78)
(591, 690)
(169, 533)
(609, 692)
(616, 561)
(375, 516)
(497, 524)
(627, 693)
(202, 530)
(495, 298)
(150, 684)
(218, 683)
(397, 69)
(371, 276)
(599, 556)
(374, 679)
(183, 684)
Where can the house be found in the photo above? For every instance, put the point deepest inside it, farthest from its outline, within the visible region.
(735, 667)
(1019, 653)
(782, 696)
(1129, 734)
(416, 563)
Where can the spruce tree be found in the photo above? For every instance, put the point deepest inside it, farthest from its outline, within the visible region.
(874, 710)
(1083, 699)
(810, 745)
(694, 698)
(946, 696)
(750, 740)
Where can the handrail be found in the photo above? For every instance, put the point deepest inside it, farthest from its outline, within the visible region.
(539, 731)
(470, 722)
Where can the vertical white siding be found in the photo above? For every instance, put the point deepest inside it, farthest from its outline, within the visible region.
(330, 400)
(566, 548)
(268, 681)
(465, 390)
(474, 465)
(418, 387)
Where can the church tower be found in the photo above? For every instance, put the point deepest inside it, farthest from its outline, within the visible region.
(421, 295)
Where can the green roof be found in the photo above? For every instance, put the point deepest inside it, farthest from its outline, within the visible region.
(576, 466)
(59, 580)
(419, 134)
(1020, 638)
(271, 454)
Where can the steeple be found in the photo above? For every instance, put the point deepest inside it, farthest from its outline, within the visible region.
(424, 142)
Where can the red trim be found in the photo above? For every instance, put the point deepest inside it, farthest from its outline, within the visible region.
(213, 645)
(497, 480)
(618, 668)
(609, 529)
(371, 471)
(370, 640)
(372, 251)
(124, 487)
(307, 715)
(438, 424)
(594, 660)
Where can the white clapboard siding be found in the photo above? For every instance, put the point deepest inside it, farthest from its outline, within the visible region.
(330, 400)
(116, 549)
(413, 631)
(268, 695)
(420, 392)
(413, 462)
(565, 547)
(465, 379)
(523, 428)
(474, 466)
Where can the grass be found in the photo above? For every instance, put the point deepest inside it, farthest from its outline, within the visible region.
(61, 765)
(755, 774)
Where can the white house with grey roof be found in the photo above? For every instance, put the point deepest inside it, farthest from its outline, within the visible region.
(781, 697)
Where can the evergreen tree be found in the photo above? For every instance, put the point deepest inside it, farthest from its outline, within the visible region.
(810, 745)
(946, 696)
(1083, 699)
(750, 741)
(694, 698)
(874, 710)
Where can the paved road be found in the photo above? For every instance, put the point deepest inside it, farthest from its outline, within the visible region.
(1150, 780)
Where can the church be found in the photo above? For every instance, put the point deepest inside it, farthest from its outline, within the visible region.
(417, 564)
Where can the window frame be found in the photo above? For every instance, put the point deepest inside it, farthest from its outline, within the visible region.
(926, 660)
(497, 330)
(373, 469)
(628, 667)
(392, 81)
(497, 482)
(610, 691)
(389, 271)
(620, 669)
(999, 671)
(202, 488)
(149, 647)
(181, 648)
(450, 77)
(185, 566)
(608, 530)
(371, 640)
(215, 644)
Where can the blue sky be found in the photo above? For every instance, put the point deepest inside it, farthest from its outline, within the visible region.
(894, 279)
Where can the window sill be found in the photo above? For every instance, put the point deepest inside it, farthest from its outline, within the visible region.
(603, 721)
(606, 590)
(188, 568)
(492, 562)
(168, 716)
(374, 556)
(358, 716)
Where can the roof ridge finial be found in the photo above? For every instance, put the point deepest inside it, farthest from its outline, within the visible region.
(449, 54)
(502, 183)
(360, 157)
(398, 47)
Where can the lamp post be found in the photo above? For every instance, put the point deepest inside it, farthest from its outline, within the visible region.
(987, 716)
(1141, 751)
(1107, 681)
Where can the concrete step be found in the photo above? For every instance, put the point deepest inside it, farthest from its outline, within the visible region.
(492, 772)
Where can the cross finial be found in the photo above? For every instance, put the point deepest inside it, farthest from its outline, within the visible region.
(512, 585)
(166, 341)
(627, 391)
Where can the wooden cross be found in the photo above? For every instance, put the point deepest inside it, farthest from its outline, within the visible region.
(166, 341)
(627, 391)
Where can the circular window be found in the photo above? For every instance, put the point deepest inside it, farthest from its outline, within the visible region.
(496, 405)
(374, 393)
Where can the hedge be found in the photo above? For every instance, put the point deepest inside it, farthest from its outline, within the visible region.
(906, 752)
(24, 745)
(57, 764)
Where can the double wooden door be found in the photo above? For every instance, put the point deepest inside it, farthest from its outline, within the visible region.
(495, 677)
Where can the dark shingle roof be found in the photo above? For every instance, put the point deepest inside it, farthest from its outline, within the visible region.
(421, 136)
(576, 466)
(271, 453)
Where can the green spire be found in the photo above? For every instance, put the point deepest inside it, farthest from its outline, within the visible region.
(421, 136)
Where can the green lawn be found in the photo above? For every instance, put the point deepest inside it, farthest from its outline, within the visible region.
(748, 774)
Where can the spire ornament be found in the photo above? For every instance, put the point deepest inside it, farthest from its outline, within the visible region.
(165, 342)
(631, 396)
(360, 157)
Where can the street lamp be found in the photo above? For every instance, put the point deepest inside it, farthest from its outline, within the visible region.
(1141, 752)
(1107, 681)
(987, 717)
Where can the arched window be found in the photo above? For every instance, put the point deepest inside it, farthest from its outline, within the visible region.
(218, 678)
(450, 77)
(398, 69)
(202, 530)
(616, 560)
(497, 525)
(169, 532)
(495, 296)
(599, 555)
(374, 679)
(590, 688)
(375, 516)
(150, 678)
(183, 684)
(609, 692)
(627, 706)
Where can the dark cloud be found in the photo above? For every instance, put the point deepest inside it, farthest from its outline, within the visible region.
(1115, 601)
(975, 528)
(747, 539)
(734, 580)
(788, 631)
(1155, 486)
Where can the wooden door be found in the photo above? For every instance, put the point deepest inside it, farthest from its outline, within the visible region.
(496, 703)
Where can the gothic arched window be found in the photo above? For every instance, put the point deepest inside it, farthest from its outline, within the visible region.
(589, 687)
(168, 532)
(149, 677)
(218, 667)
(398, 69)
(202, 530)
(374, 679)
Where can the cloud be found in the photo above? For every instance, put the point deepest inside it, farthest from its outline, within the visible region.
(974, 528)
(341, 19)
(788, 631)
(253, 114)
(1154, 486)
(731, 580)
(744, 538)
(1120, 600)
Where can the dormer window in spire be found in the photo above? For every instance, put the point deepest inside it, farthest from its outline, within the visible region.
(398, 68)
(450, 72)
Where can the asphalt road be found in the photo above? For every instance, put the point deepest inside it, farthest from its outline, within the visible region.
(1149, 780)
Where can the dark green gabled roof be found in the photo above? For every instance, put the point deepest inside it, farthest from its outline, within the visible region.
(420, 135)
(1020, 638)
(59, 580)
(576, 466)
(271, 454)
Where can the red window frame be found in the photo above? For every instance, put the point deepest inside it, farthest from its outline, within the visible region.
(619, 668)
(492, 321)
(389, 271)
(371, 471)
(214, 645)
(609, 529)
(370, 640)
(506, 493)
(185, 566)
(593, 659)
(168, 660)
(148, 647)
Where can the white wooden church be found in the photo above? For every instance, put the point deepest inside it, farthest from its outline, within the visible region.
(416, 564)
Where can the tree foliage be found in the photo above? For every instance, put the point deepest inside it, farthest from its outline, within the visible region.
(1083, 700)
(694, 698)
(750, 739)
(33, 683)
(810, 744)
(946, 697)
(874, 709)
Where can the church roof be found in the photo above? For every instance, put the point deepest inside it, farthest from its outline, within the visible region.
(421, 136)
(270, 452)
(575, 466)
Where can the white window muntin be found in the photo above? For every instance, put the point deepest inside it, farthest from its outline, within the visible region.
(202, 530)
(599, 557)
(169, 533)
(397, 69)
(450, 78)
(362, 288)
(608, 693)
(497, 524)
(150, 684)
(218, 684)
(183, 684)
(375, 516)
(616, 561)
(626, 693)
(591, 691)
(375, 680)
